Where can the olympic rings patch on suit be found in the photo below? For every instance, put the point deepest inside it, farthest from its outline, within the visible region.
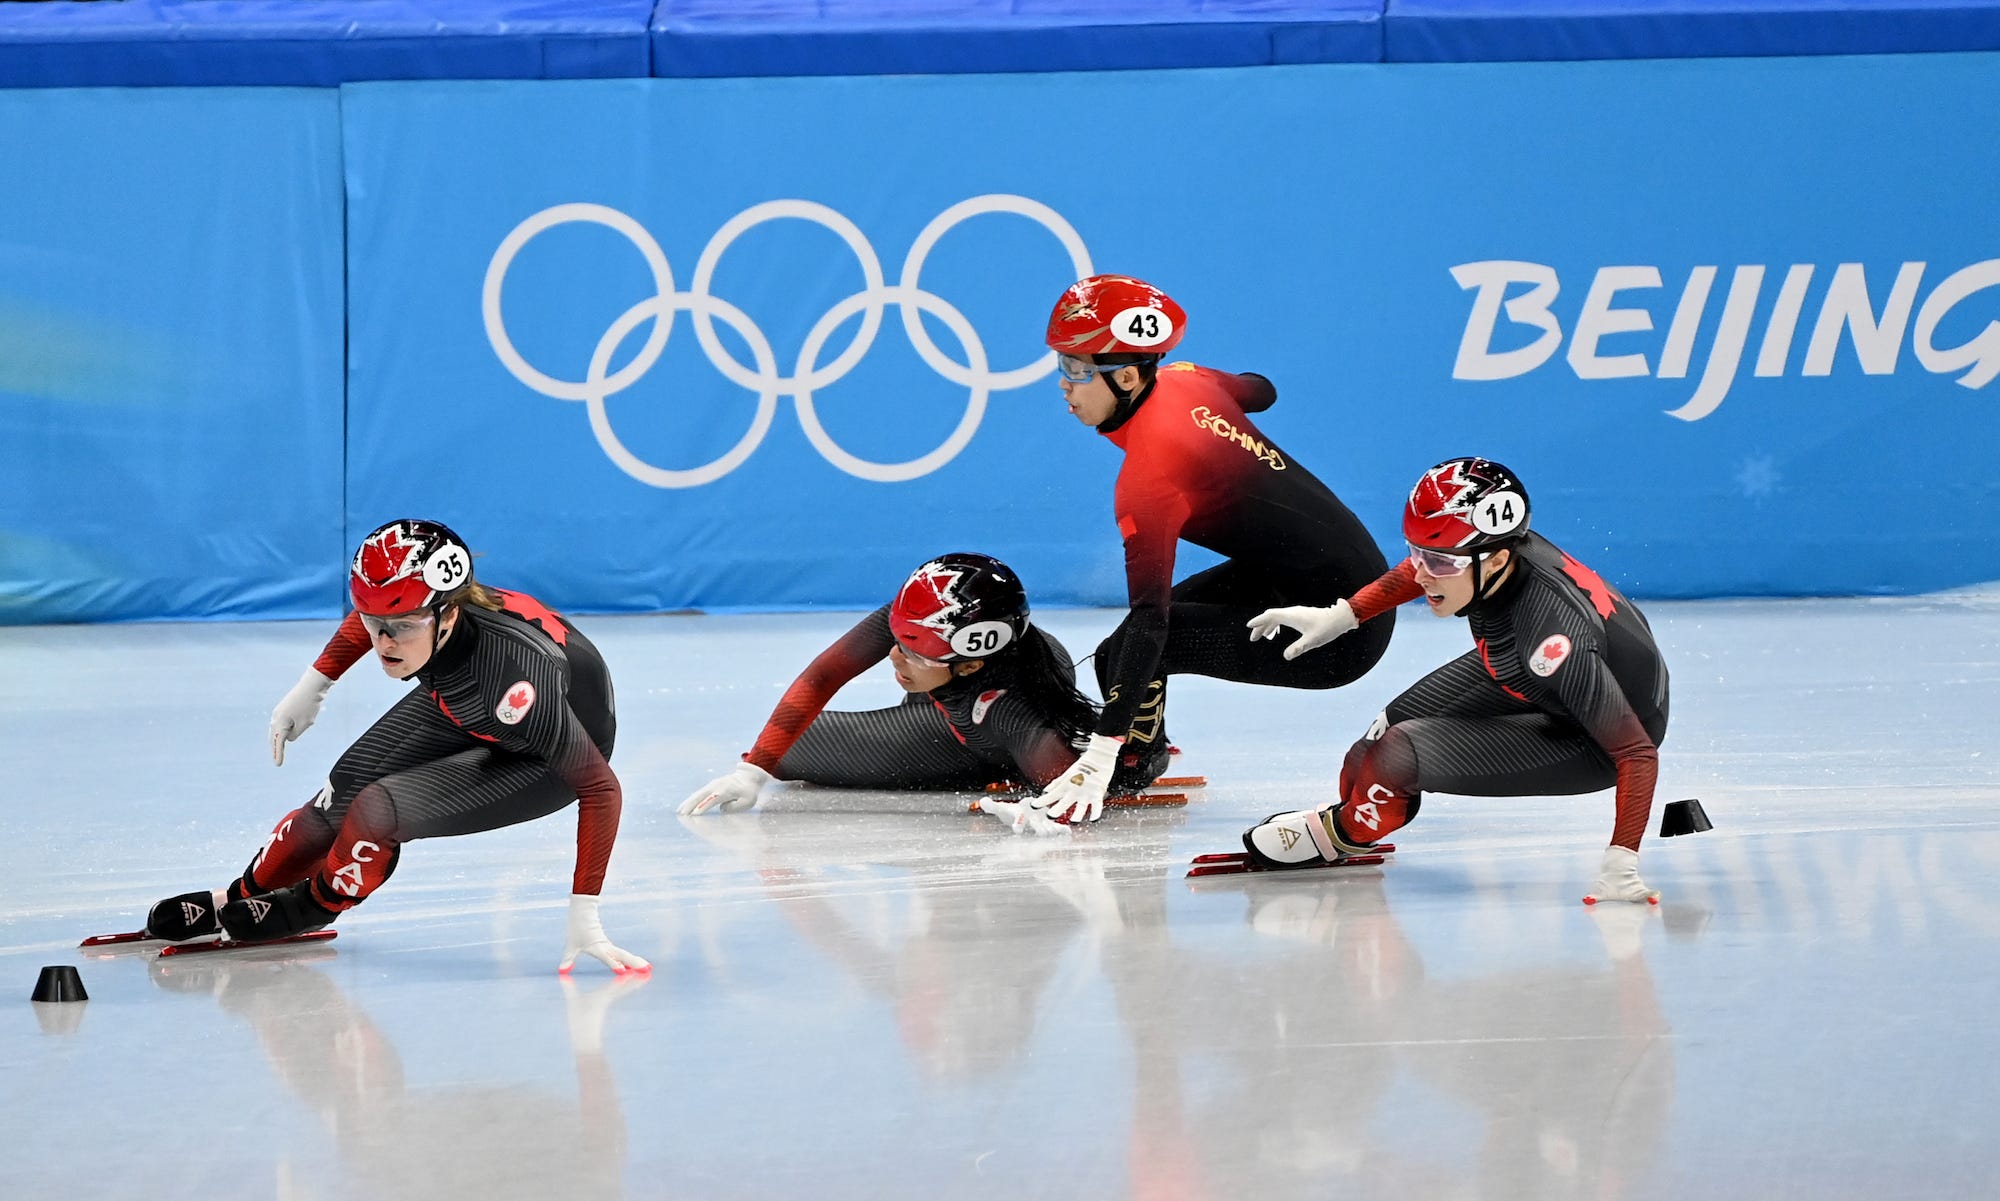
(763, 377)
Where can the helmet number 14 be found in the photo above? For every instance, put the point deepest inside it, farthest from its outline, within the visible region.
(1499, 514)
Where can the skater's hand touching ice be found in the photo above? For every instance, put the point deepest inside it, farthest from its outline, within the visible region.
(728, 794)
(1618, 879)
(586, 937)
(1077, 794)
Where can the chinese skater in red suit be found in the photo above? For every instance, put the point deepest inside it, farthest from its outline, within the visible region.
(1564, 691)
(1196, 470)
(512, 719)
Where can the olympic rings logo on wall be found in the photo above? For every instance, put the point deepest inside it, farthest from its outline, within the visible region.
(807, 376)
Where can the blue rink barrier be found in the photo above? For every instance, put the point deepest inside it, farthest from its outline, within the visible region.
(1569, 30)
(900, 37)
(723, 343)
(206, 43)
(326, 42)
(170, 354)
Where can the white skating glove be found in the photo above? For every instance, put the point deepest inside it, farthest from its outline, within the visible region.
(1078, 793)
(296, 713)
(1316, 626)
(735, 791)
(1618, 879)
(1021, 817)
(586, 937)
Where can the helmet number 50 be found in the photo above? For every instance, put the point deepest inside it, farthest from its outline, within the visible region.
(982, 638)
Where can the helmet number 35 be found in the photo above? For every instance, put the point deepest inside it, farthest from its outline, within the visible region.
(447, 568)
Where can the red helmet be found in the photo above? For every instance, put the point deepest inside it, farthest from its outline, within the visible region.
(407, 565)
(959, 606)
(1115, 314)
(1465, 503)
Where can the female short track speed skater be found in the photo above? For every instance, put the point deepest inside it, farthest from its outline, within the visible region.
(512, 719)
(1195, 469)
(991, 698)
(1563, 693)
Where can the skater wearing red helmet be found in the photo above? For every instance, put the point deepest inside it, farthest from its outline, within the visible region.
(1196, 469)
(1563, 693)
(990, 698)
(512, 720)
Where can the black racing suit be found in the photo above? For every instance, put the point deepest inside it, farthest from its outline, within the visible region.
(1564, 692)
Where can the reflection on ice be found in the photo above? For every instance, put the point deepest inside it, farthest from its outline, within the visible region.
(877, 995)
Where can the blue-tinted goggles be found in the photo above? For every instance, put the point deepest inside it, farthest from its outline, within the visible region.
(1079, 370)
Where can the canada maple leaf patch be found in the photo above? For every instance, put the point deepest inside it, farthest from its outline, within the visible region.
(515, 703)
(1549, 655)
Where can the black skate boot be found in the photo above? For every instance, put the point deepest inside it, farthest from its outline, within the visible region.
(189, 915)
(1139, 764)
(278, 914)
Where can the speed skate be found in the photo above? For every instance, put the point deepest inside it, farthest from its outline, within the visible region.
(202, 946)
(1236, 863)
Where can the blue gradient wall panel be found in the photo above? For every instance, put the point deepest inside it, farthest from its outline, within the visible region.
(1729, 319)
(170, 340)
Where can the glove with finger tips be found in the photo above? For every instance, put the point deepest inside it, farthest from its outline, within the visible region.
(1618, 879)
(728, 794)
(1022, 817)
(586, 936)
(1316, 626)
(1078, 793)
(298, 710)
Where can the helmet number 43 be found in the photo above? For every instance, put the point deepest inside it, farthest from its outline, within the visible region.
(1139, 326)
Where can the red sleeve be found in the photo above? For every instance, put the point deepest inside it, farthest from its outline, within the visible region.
(1251, 392)
(858, 650)
(600, 802)
(1585, 685)
(348, 644)
(1151, 514)
(549, 730)
(1638, 776)
(1396, 586)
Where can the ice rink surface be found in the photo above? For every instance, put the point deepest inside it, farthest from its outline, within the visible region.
(871, 995)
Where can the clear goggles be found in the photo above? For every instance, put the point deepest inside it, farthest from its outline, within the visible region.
(919, 660)
(397, 628)
(1079, 370)
(1437, 562)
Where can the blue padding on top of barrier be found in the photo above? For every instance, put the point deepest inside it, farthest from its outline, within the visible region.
(698, 38)
(1549, 30)
(194, 43)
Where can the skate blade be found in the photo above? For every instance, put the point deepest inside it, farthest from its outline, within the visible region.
(1384, 848)
(1146, 800)
(118, 940)
(1238, 863)
(230, 944)
(1180, 782)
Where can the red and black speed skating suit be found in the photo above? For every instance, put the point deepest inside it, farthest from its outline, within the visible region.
(1196, 469)
(513, 718)
(1564, 692)
(972, 731)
